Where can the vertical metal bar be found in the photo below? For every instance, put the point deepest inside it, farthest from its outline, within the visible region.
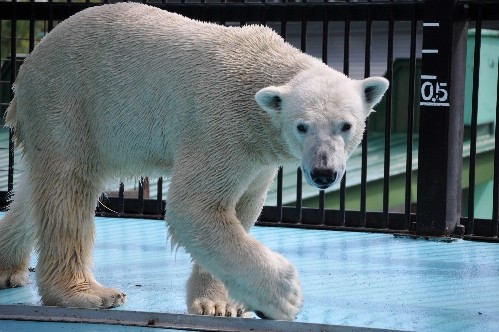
(495, 191)
(304, 30)
(1, 38)
(121, 198)
(441, 118)
(346, 42)
(342, 200)
(10, 176)
(159, 197)
(279, 195)
(140, 203)
(474, 122)
(5, 202)
(299, 195)
(244, 17)
(410, 121)
(303, 46)
(32, 28)
(263, 17)
(223, 19)
(284, 22)
(325, 39)
(51, 16)
(13, 70)
(388, 123)
(325, 35)
(346, 67)
(363, 169)
(322, 209)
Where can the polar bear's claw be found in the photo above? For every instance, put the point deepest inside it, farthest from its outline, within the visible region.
(220, 309)
(114, 301)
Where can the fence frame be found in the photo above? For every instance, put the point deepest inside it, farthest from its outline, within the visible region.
(440, 151)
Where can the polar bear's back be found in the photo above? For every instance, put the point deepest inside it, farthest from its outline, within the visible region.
(129, 73)
(136, 34)
(129, 47)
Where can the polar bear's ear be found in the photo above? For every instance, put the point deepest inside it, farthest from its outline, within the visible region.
(270, 99)
(373, 89)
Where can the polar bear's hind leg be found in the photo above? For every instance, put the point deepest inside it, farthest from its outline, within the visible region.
(64, 203)
(16, 240)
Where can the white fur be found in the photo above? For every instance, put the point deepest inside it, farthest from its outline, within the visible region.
(127, 89)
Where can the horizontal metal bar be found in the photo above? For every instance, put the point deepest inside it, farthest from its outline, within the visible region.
(334, 228)
(482, 228)
(312, 218)
(335, 11)
(161, 320)
(128, 207)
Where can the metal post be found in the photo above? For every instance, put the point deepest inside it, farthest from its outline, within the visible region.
(13, 73)
(441, 118)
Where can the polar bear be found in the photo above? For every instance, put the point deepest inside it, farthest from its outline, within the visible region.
(129, 89)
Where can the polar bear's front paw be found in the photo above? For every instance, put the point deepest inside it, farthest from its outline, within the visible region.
(277, 294)
(208, 307)
(9, 279)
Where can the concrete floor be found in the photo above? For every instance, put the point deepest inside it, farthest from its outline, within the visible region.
(348, 278)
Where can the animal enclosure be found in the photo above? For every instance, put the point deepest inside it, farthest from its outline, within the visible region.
(427, 163)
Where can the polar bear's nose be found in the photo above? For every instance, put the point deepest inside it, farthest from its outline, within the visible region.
(323, 177)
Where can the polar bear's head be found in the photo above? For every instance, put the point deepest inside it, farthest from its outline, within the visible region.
(321, 114)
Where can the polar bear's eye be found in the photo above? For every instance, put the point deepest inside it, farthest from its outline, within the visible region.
(346, 127)
(302, 128)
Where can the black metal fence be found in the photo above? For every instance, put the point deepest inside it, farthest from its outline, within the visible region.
(425, 150)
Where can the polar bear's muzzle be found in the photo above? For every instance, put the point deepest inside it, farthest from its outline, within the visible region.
(323, 177)
(322, 170)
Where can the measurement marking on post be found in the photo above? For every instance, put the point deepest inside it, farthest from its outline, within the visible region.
(433, 92)
(424, 103)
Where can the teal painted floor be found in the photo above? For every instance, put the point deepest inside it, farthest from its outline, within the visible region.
(348, 278)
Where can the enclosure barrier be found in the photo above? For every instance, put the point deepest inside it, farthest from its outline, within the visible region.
(439, 148)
